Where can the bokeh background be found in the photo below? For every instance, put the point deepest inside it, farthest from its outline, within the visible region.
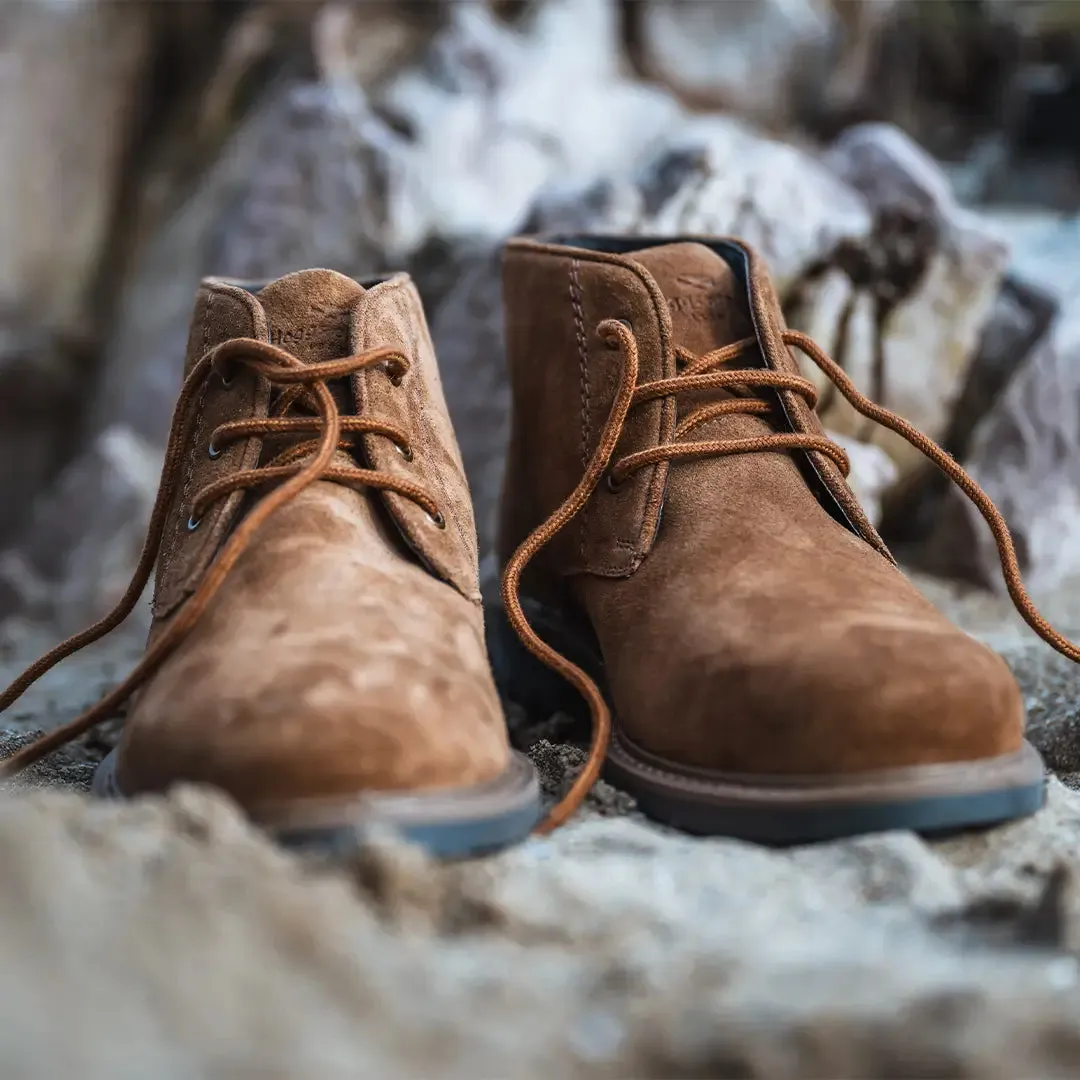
(910, 170)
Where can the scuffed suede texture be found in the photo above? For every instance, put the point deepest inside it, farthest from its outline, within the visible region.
(391, 314)
(339, 656)
(755, 633)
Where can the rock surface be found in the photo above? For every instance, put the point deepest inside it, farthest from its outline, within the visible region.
(65, 128)
(739, 56)
(493, 114)
(81, 545)
(166, 938)
(1024, 453)
(68, 126)
(902, 316)
(1014, 427)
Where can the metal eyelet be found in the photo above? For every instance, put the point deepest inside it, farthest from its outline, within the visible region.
(613, 485)
(193, 523)
(613, 342)
(404, 451)
(213, 452)
(437, 519)
(226, 383)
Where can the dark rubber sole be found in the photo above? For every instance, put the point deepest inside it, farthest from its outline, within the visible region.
(449, 823)
(782, 810)
(775, 810)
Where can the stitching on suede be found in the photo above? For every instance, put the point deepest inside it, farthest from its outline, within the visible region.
(579, 323)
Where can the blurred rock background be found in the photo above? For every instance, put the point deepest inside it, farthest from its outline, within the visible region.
(910, 170)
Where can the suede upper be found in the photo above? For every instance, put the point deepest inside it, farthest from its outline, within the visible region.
(749, 617)
(344, 652)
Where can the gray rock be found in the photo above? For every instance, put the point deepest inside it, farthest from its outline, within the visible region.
(75, 560)
(926, 516)
(39, 397)
(65, 130)
(67, 125)
(493, 113)
(903, 316)
(1020, 319)
(717, 176)
(276, 201)
(612, 947)
(1042, 249)
(743, 56)
(608, 949)
(1024, 454)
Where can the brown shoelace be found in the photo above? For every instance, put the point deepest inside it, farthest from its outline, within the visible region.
(699, 373)
(298, 386)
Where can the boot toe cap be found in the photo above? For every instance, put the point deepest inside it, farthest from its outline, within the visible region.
(298, 715)
(864, 698)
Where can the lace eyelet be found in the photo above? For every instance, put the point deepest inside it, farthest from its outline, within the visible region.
(193, 523)
(226, 383)
(404, 451)
(613, 485)
(613, 342)
(438, 520)
(213, 452)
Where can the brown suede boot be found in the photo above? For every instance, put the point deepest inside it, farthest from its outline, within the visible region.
(681, 535)
(317, 649)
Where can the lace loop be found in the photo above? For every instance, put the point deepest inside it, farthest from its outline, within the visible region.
(295, 469)
(697, 373)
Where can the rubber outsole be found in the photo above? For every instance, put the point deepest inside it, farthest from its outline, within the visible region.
(928, 799)
(771, 810)
(448, 823)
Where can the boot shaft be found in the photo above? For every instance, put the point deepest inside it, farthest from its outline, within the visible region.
(320, 315)
(565, 375)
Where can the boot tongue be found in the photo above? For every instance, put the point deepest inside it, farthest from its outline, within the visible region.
(309, 313)
(706, 300)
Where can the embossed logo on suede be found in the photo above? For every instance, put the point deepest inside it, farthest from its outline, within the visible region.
(287, 339)
(695, 281)
(709, 300)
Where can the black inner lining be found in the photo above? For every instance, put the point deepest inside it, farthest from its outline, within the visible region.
(732, 254)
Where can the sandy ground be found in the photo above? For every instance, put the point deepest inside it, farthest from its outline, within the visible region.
(167, 939)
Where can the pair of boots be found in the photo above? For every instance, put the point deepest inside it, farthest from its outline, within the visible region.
(679, 545)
